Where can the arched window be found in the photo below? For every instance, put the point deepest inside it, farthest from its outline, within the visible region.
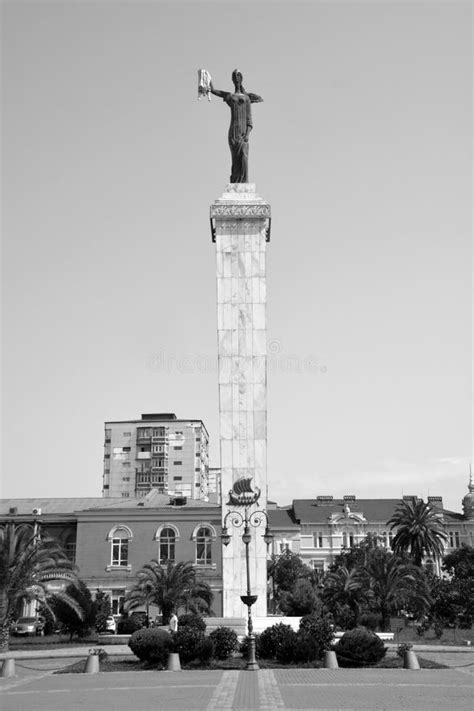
(204, 546)
(167, 545)
(119, 538)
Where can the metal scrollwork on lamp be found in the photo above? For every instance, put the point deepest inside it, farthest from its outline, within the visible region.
(243, 497)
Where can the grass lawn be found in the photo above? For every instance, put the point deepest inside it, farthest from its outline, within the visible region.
(118, 664)
(451, 636)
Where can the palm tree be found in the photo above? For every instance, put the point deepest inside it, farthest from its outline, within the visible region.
(420, 530)
(393, 582)
(169, 586)
(27, 563)
(345, 587)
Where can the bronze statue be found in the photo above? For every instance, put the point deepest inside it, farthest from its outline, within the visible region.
(239, 103)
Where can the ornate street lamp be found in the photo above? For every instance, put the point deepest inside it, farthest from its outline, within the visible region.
(242, 496)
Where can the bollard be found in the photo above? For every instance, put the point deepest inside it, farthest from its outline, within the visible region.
(330, 660)
(92, 664)
(8, 667)
(410, 660)
(174, 663)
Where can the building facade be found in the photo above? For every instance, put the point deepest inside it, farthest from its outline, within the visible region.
(157, 452)
(110, 540)
(317, 529)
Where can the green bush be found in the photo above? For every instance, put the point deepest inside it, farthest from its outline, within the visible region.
(370, 620)
(320, 631)
(128, 626)
(359, 647)
(151, 645)
(287, 647)
(272, 639)
(225, 642)
(205, 650)
(191, 620)
(187, 642)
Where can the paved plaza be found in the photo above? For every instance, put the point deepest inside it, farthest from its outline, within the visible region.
(323, 689)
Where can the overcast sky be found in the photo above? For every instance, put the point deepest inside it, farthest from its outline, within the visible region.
(363, 148)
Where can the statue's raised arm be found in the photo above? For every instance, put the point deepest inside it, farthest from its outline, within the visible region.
(239, 102)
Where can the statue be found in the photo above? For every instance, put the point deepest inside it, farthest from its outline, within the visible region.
(239, 103)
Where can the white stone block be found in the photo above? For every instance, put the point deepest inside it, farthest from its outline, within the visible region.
(226, 425)
(227, 264)
(259, 396)
(227, 316)
(225, 342)
(226, 454)
(260, 424)
(220, 316)
(225, 369)
(225, 398)
(219, 264)
(259, 316)
(259, 342)
(259, 369)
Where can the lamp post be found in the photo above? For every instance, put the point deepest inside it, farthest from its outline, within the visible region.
(242, 496)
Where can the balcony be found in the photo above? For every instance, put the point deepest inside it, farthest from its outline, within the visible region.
(143, 455)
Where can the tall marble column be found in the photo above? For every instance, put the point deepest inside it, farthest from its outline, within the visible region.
(240, 222)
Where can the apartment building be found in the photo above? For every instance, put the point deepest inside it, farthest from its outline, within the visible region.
(157, 452)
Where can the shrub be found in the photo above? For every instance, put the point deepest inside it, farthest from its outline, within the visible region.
(225, 642)
(205, 650)
(287, 650)
(319, 631)
(359, 647)
(272, 639)
(128, 626)
(151, 645)
(370, 620)
(191, 620)
(187, 641)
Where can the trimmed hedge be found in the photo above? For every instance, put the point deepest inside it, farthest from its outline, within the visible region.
(359, 647)
(225, 642)
(151, 645)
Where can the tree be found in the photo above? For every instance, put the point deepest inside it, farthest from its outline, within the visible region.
(27, 563)
(286, 571)
(460, 566)
(420, 530)
(169, 586)
(345, 588)
(80, 620)
(301, 600)
(394, 582)
(102, 610)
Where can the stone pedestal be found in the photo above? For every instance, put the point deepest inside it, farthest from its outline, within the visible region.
(240, 223)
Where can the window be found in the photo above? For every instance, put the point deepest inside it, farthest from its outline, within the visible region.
(127, 434)
(177, 463)
(177, 478)
(284, 547)
(70, 548)
(126, 449)
(119, 538)
(454, 539)
(317, 540)
(204, 546)
(177, 447)
(125, 494)
(159, 432)
(197, 469)
(167, 545)
(125, 478)
(198, 439)
(125, 464)
(116, 600)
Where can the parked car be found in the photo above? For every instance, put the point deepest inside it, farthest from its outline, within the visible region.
(111, 625)
(28, 626)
